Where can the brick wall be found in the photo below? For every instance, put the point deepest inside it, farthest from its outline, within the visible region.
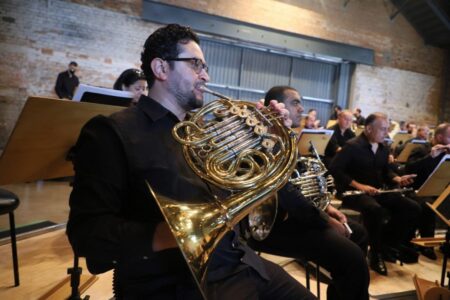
(403, 95)
(39, 37)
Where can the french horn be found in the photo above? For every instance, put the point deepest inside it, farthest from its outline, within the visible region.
(311, 178)
(238, 148)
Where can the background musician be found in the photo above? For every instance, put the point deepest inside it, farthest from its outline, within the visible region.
(422, 162)
(341, 133)
(311, 234)
(114, 220)
(422, 134)
(132, 80)
(359, 120)
(362, 164)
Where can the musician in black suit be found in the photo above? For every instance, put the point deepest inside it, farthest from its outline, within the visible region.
(341, 134)
(315, 235)
(422, 135)
(423, 161)
(359, 119)
(362, 165)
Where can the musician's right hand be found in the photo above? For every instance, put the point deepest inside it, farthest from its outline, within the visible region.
(438, 149)
(339, 227)
(280, 109)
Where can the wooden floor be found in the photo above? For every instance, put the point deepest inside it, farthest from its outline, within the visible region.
(39, 201)
(44, 259)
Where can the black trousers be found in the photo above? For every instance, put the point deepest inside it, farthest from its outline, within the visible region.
(427, 220)
(390, 219)
(246, 284)
(343, 258)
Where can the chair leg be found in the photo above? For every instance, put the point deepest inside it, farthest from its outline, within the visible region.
(12, 228)
(308, 284)
(318, 280)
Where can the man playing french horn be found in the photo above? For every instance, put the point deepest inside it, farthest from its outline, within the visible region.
(126, 162)
(315, 235)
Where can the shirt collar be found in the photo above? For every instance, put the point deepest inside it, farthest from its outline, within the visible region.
(367, 143)
(152, 108)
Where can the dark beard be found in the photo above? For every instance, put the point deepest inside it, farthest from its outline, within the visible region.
(195, 103)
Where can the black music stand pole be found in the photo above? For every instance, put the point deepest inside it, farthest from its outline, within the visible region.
(75, 274)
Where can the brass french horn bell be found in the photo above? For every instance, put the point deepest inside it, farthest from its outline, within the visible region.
(238, 148)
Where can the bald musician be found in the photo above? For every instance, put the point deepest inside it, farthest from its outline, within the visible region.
(341, 134)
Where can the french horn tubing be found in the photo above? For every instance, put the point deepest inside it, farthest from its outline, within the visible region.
(315, 185)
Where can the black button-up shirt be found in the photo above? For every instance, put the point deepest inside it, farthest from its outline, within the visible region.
(356, 161)
(113, 215)
(337, 140)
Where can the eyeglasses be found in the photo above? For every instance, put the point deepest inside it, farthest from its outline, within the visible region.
(197, 64)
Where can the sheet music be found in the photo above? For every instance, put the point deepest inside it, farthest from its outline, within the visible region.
(319, 137)
(400, 138)
(406, 152)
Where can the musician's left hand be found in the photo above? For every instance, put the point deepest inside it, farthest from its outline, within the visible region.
(280, 109)
(333, 212)
(405, 179)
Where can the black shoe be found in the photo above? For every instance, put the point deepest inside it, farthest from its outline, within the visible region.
(428, 252)
(376, 263)
(391, 254)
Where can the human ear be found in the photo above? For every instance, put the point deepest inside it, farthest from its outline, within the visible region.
(159, 68)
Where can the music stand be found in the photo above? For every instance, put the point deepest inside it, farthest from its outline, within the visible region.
(438, 179)
(331, 123)
(319, 138)
(42, 137)
(359, 130)
(409, 148)
(400, 138)
(437, 184)
(93, 94)
(37, 149)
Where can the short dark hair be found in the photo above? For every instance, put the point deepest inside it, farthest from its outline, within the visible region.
(73, 63)
(163, 43)
(128, 77)
(277, 93)
(373, 117)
